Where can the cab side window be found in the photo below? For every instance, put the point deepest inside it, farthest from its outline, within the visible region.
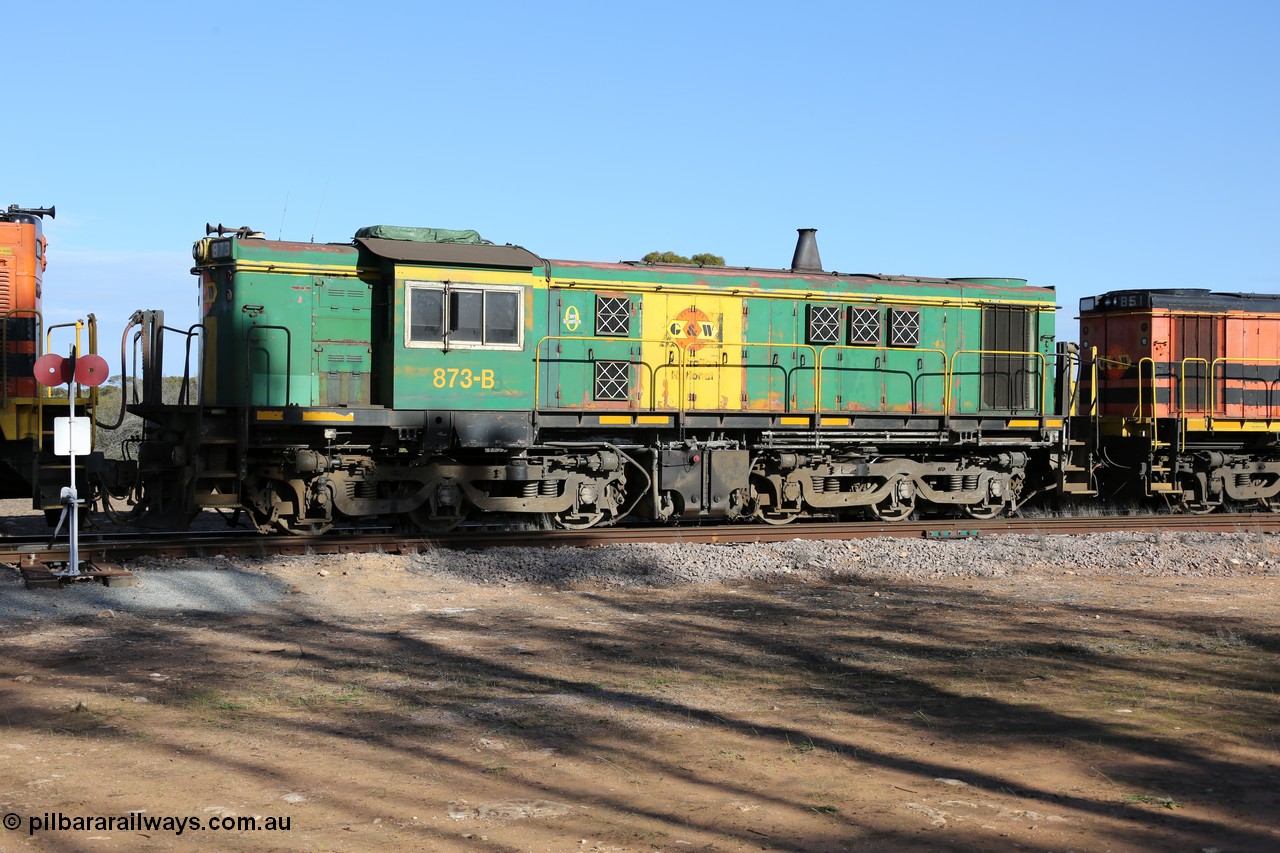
(457, 314)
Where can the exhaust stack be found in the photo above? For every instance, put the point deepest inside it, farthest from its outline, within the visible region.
(806, 257)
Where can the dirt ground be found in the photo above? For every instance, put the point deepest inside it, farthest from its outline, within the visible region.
(378, 707)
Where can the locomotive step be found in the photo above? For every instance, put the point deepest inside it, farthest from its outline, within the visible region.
(208, 500)
(1078, 489)
(217, 475)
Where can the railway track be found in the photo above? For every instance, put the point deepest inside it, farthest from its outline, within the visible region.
(40, 562)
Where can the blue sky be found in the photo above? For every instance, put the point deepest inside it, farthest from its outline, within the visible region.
(1087, 146)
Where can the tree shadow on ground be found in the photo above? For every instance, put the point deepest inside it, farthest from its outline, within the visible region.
(827, 710)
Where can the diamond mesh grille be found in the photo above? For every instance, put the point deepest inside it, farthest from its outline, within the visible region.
(904, 327)
(824, 324)
(613, 380)
(864, 326)
(613, 315)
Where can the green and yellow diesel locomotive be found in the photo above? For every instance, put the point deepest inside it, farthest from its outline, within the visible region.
(421, 376)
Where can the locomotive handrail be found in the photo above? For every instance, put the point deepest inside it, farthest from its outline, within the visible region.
(91, 320)
(1044, 371)
(184, 390)
(1094, 409)
(8, 315)
(190, 332)
(817, 386)
(1073, 375)
(1182, 394)
(133, 363)
(186, 372)
(127, 380)
(1155, 421)
(683, 363)
(1113, 362)
(1057, 358)
(687, 360)
(1213, 379)
(48, 340)
(288, 364)
(537, 362)
(243, 438)
(839, 348)
(90, 401)
(1155, 427)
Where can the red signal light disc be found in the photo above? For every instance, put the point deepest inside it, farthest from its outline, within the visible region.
(52, 369)
(91, 370)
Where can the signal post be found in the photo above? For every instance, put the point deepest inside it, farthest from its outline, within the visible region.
(72, 436)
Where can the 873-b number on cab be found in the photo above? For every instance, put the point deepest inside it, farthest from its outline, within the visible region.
(461, 377)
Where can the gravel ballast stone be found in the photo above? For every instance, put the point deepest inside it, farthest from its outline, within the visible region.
(241, 585)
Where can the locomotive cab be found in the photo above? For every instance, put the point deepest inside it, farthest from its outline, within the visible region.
(22, 265)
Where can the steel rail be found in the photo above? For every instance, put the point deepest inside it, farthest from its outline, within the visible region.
(20, 551)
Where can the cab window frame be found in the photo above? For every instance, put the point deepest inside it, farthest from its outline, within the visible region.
(453, 296)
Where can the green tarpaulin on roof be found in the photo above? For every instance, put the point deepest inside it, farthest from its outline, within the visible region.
(422, 235)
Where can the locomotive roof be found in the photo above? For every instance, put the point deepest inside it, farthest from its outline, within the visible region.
(24, 218)
(468, 248)
(566, 267)
(1181, 299)
(452, 254)
(488, 255)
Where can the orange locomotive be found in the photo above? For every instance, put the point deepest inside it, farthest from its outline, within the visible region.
(28, 468)
(22, 264)
(1180, 396)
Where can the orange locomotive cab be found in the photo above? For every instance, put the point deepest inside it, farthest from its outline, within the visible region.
(22, 263)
